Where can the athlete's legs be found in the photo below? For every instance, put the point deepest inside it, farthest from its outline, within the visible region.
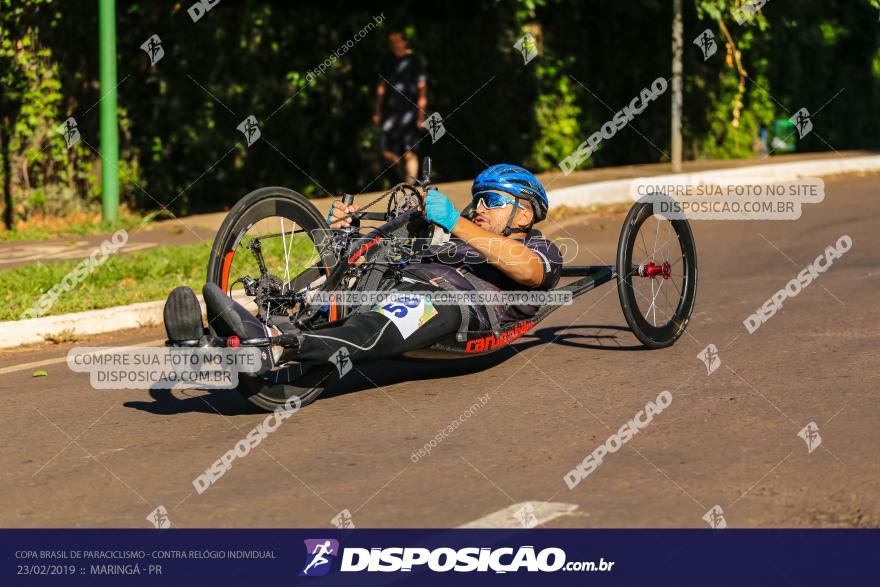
(370, 335)
(367, 335)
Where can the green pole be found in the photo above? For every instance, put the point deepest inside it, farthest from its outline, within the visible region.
(109, 124)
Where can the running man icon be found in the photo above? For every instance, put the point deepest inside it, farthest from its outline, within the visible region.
(320, 553)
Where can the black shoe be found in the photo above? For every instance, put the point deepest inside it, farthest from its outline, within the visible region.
(229, 318)
(183, 318)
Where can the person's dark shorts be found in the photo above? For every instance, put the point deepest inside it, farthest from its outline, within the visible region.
(399, 131)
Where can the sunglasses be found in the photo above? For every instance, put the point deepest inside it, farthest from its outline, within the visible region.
(492, 200)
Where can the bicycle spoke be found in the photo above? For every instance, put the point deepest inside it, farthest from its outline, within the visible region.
(677, 259)
(286, 253)
(657, 295)
(666, 297)
(664, 246)
(668, 238)
(656, 234)
(672, 279)
(644, 246)
(651, 307)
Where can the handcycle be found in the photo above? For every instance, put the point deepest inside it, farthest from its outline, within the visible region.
(280, 237)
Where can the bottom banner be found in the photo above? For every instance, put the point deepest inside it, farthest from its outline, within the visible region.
(436, 557)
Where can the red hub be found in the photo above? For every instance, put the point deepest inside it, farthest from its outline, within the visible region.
(652, 270)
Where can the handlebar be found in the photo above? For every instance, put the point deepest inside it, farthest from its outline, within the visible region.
(397, 221)
(419, 186)
(426, 171)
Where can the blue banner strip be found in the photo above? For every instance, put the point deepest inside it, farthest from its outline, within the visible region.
(209, 558)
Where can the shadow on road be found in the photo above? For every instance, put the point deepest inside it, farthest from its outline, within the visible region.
(226, 402)
(584, 336)
(390, 372)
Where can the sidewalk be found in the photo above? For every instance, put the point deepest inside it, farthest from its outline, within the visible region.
(195, 229)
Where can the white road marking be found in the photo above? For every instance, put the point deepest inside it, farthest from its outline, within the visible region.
(527, 514)
(63, 359)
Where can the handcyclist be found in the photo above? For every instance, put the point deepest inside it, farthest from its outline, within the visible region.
(497, 249)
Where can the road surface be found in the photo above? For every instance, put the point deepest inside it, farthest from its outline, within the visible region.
(77, 457)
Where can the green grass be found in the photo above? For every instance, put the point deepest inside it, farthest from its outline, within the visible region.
(45, 228)
(123, 279)
(144, 276)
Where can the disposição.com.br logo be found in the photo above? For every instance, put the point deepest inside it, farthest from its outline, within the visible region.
(321, 554)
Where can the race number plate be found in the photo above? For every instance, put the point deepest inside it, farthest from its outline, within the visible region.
(407, 312)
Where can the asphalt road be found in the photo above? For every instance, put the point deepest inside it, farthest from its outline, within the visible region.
(77, 457)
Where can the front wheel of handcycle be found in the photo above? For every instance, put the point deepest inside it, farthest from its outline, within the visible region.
(288, 230)
(656, 272)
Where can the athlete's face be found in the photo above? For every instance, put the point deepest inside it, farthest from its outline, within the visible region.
(495, 219)
(397, 44)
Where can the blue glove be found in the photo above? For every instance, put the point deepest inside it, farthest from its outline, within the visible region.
(440, 210)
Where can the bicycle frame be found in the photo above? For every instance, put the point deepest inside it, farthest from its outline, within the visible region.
(481, 342)
(475, 342)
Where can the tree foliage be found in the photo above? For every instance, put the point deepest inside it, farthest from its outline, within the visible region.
(181, 148)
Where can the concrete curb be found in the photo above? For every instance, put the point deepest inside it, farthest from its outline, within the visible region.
(31, 331)
(617, 191)
(13, 334)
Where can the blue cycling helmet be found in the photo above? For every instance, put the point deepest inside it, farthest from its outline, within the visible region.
(516, 181)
